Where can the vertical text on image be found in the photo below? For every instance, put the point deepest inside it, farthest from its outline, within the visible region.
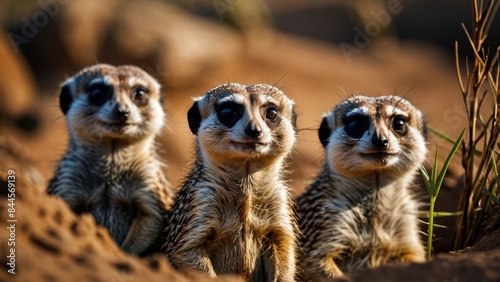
(11, 221)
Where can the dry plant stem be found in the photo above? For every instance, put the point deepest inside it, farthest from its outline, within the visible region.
(482, 82)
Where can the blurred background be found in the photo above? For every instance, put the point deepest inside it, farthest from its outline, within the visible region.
(318, 52)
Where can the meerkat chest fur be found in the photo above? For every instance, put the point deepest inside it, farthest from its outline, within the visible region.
(111, 168)
(248, 210)
(360, 204)
(111, 175)
(234, 206)
(372, 215)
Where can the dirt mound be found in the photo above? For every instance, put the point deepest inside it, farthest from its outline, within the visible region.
(477, 263)
(470, 267)
(53, 244)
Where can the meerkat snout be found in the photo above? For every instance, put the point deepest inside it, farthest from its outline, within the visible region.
(121, 112)
(253, 130)
(380, 141)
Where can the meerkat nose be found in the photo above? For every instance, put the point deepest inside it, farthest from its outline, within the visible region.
(121, 113)
(379, 141)
(253, 131)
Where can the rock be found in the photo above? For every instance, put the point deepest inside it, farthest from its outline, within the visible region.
(486, 243)
(18, 91)
(60, 37)
(83, 26)
(34, 34)
(169, 43)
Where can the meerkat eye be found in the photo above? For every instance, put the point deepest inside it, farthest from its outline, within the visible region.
(229, 113)
(272, 114)
(356, 125)
(399, 125)
(140, 94)
(99, 94)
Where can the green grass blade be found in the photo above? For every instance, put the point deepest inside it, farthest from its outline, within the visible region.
(448, 160)
(425, 214)
(425, 176)
(441, 135)
(440, 226)
(447, 214)
(491, 196)
(433, 175)
(450, 140)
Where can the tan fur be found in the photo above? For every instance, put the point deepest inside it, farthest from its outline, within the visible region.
(233, 214)
(359, 212)
(111, 168)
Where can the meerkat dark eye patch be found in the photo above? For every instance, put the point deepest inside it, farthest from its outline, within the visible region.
(356, 125)
(229, 113)
(399, 125)
(99, 93)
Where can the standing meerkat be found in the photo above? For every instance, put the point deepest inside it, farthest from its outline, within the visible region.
(359, 212)
(111, 168)
(233, 214)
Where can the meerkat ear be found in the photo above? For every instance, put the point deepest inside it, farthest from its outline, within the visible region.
(194, 118)
(324, 132)
(65, 98)
(293, 119)
(425, 132)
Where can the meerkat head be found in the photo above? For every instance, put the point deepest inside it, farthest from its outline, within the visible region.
(234, 121)
(103, 102)
(363, 135)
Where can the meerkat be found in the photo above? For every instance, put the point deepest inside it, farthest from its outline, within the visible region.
(111, 168)
(233, 214)
(359, 213)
